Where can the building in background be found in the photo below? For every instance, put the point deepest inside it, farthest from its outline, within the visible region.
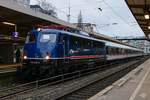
(88, 27)
(142, 44)
(80, 21)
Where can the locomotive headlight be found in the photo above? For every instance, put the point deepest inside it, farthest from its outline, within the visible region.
(47, 57)
(24, 57)
(39, 29)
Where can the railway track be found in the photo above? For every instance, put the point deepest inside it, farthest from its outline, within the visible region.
(92, 89)
(53, 81)
(31, 86)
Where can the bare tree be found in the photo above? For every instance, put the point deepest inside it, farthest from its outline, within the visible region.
(46, 5)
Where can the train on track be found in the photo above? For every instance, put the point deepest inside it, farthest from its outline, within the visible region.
(49, 52)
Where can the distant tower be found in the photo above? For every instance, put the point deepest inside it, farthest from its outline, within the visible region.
(68, 16)
(80, 21)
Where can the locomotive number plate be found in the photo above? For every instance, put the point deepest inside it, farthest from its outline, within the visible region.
(35, 62)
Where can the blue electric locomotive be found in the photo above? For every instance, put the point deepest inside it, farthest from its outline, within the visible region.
(50, 51)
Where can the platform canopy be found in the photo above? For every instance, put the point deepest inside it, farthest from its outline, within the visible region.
(141, 11)
(17, 18)
(24, 19)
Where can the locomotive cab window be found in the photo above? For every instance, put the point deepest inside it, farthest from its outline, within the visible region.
(30, 38)
(48, 38)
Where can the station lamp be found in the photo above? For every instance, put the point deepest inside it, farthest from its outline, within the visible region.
(47, 57)
(25, 57)
(146, 15)
(149, 27)
(11, 24)
(7, 23)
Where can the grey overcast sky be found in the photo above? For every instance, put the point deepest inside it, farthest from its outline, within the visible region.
(115, 19)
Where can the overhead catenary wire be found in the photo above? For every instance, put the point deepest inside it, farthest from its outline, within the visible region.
(108, 5)
(112, 9)
(120, 17)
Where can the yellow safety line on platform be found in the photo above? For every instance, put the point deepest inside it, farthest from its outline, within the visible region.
(10, 66)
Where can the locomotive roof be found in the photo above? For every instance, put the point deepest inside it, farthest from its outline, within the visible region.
(73, 34)
(107, 43)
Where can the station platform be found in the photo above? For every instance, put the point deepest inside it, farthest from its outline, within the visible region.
(134, 86)
(6, 68)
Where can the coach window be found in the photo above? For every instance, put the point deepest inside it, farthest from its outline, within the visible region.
(81, 44)
(109, 50)
(77, 43)
(127, 51)
(119, 51)
(123, 52)
(113, 51)
(130, 51)
(92, 45)
(116, 50)
(95, 44)
(87, 44)
(74, 42)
